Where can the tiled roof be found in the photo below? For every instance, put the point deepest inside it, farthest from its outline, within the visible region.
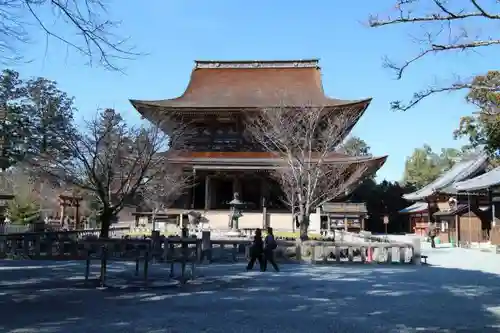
(457, 210)
(460, 171)
(252, 84)
(487, 180)
(417, 207)
(260, 158)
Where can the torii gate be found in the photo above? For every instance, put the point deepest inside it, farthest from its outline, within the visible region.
(69, 200)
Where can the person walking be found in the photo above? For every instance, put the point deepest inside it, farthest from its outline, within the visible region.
(269, 246)
(257, 251)
(432, 235)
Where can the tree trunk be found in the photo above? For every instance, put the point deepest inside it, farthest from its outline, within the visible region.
(105, 218)
(304, 225)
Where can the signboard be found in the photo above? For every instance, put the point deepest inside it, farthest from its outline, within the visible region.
(386, 219)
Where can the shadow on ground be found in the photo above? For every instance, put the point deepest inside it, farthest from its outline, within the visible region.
(51, 297)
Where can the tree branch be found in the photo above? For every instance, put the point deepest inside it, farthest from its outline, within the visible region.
(440, 34)
(91, 30)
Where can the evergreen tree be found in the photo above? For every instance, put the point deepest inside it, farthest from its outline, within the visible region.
(50, 112)
(13, 119)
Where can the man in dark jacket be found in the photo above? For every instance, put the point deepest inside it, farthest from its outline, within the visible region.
(269, 246)
(257, 251)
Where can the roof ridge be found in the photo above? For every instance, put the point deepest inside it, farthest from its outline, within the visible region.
(295, 63)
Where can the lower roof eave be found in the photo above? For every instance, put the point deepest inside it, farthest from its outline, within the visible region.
(374, 162)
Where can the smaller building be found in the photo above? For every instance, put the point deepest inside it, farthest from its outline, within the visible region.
(438, 195)
(345, 216)
(418, 215)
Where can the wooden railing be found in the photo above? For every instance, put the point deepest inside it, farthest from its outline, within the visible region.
(58, 245)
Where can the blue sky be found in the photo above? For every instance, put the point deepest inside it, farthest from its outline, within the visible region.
(174, 33)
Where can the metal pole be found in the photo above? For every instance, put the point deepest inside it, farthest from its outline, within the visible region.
(470, 223)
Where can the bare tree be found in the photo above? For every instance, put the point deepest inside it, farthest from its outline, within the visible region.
(82, 25)
(161, 192)
(447, 26)
(112, 162)
(30, 196)
(305, 138)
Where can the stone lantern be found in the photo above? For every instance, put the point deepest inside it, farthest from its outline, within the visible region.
(236, 206)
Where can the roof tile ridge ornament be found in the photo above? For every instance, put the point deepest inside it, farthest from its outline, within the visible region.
(254, 64)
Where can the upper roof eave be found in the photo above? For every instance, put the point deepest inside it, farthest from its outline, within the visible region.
(169, 105)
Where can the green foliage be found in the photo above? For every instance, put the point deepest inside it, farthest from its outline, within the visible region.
(23, 210)
(355, 146)
(424, 166)
(383, 199)
(36, 113)
(51, 113)
(483, 128)
(13, 120)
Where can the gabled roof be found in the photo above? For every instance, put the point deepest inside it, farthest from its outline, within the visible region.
(252, 84)
(460, 171)
(482, 182)
(417, 207)
(457, 210)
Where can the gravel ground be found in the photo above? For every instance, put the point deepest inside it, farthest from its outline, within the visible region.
(458, 292)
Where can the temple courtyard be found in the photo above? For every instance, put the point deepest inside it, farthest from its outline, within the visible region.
(458, 292)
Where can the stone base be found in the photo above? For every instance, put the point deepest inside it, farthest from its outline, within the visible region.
(234, 233)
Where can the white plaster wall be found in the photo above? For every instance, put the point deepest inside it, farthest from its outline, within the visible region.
(315, 222)
(281, 221)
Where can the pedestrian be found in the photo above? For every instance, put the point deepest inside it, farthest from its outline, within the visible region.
(432, 235)
(257, 251)
(269, 246)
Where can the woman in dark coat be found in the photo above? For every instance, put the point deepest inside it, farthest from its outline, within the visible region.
(257, 251)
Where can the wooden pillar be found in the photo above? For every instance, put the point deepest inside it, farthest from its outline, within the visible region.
(192, 190)
(63, 210)
(77, 216)
(362, 218)
(208, 197)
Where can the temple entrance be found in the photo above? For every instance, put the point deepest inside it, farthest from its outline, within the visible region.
(251, 193)
(199, 193)
(224, 189)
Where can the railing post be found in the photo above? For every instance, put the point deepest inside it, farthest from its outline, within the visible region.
(26, 246)
(313, 253)
(324, 253)
(3, 246)
(402, 255)
(206, 246)
(104, 258)
(389, 255)
(235, 252)
(337, 253)
(416, 257)
(350, 253)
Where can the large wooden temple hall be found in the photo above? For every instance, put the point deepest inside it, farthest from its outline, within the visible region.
(221, 155)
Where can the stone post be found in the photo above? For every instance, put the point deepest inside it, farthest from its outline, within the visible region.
(416, 251)
(206, 246)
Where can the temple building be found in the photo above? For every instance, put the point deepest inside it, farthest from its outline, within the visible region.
(221, 154)
(441, 202)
